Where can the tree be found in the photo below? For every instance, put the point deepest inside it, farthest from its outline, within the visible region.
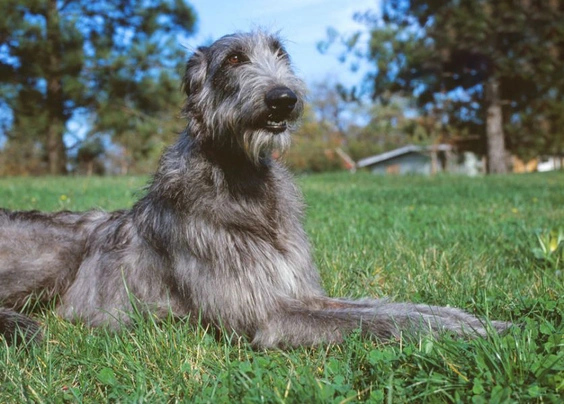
(60, 59)
(483, 63)
(324, 128)
(331, 104)
(88, 157)
(314, 144)
(387, 129)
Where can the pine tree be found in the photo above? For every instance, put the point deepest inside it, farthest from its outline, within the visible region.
(61, 58)
(487, 65)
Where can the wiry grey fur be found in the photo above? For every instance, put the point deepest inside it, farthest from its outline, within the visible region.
(217, 237)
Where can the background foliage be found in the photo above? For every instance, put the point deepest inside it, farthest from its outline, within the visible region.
(93, 88)
(488, 69)
(77, 75)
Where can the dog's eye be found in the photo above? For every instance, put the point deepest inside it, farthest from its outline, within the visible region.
(237, 59)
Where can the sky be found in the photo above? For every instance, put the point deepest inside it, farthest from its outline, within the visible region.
(302, 24)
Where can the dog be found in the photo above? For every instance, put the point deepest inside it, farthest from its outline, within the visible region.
(218, 235)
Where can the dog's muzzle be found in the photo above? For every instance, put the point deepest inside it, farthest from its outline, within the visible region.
(280, 101)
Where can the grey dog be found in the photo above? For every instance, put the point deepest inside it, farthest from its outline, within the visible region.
(218, 235)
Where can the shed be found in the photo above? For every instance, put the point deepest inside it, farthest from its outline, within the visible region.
(413, 159)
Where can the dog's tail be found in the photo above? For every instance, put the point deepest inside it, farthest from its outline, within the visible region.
(17, 328)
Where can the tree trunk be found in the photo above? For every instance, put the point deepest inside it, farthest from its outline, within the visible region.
(497, 163)
(56, 151)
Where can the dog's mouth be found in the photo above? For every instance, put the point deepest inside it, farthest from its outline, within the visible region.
(276, 126)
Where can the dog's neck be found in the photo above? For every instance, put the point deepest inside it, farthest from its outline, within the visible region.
(230, 156)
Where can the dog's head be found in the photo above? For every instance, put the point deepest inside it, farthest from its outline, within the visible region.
(242, 90)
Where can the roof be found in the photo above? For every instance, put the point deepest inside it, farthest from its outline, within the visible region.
(369, 161)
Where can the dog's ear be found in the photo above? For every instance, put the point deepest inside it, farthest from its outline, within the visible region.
(196, 69)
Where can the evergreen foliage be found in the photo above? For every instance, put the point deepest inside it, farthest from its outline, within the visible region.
(116, 63)
(487, 68)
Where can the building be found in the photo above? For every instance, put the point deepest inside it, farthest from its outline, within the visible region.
(425, 160)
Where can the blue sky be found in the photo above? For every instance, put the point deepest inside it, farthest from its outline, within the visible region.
(302, 23)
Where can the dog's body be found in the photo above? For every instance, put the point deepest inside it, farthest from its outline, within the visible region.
(218, 236)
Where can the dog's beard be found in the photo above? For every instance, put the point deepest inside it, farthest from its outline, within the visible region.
(261, 143)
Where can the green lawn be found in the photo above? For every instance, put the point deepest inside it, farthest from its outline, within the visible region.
(466, 242)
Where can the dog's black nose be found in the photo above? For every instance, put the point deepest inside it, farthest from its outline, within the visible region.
(281, 100)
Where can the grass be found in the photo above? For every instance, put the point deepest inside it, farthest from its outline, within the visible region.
(465, 242)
